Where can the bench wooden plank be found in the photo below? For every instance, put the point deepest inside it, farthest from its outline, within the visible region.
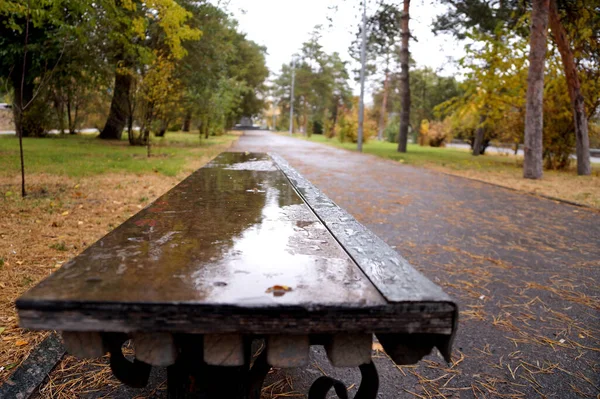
(393, 276)
(235, 249)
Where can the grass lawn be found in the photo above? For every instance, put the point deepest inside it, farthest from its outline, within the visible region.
(85, 155)
(79, 188)
(504, 170)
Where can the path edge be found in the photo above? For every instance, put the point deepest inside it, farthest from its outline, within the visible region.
(30, 374)
(516, 190)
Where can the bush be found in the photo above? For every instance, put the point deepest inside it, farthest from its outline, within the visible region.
(317, 127)
(392, 129)
(594, 131)
(558, 138)
(175, 127)
(438, 133)
(347, 129)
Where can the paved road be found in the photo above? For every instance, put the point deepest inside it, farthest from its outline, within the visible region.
(524, 270)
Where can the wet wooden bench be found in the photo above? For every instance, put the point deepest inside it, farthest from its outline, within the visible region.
(243, 251)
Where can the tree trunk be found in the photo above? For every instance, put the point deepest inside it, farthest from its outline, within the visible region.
(479, 136)
(119, 108)
(70, 119)
(336, 112)
(383, 106)
(26, 125)
(574, 86)
(206, 127)
(534, 113)
(59, 105)
(164, 124)
(404, 82)
(130, 134)
(187, 121)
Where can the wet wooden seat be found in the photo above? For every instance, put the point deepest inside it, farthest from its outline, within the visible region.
(243, 248)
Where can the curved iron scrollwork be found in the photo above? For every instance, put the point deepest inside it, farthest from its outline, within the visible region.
(369, 385)
(192, 378)
(257, 375)
(136, 373)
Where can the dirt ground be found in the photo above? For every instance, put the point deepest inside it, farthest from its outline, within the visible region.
(583, 190)
(61, 217)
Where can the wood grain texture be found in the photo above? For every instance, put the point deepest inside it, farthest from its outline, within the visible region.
(86, 345)
(157, 349)
(224, 349)
(288, 350)
(393, 276)
(349, 350)
(235, 248)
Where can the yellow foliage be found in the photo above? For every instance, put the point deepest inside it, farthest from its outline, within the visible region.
(423, 131)
(171, 18)
(437, 133)
(347, 124)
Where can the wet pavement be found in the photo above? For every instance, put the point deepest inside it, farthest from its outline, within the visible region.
(524, 270)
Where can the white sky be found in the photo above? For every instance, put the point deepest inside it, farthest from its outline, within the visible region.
(283, 25)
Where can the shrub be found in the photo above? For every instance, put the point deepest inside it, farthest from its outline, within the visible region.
(347, 128)
(175, 127)
(392, 129)
(594, 131)
(438, 133)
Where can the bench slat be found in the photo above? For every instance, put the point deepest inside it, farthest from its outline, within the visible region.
(393, 276)
(235, 248)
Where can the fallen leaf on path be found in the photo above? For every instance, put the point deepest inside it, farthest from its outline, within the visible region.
(21, 342)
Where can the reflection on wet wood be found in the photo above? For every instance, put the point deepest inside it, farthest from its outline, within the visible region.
(232, 249)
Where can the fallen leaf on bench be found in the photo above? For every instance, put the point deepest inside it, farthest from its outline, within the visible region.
(21, 342)
(278, 290)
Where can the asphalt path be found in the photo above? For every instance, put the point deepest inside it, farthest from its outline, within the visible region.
(525, 271)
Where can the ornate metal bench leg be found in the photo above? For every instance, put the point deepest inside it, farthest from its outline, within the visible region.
(257, 375)
(369, 385)
(190, 377)
(133, 374)
(320, 388)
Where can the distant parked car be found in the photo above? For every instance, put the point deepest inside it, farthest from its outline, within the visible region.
(5, 106)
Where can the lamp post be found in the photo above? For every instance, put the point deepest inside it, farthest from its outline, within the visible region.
(363, 56)
(292, 94)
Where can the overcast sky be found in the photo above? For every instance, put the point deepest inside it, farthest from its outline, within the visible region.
(283, 25)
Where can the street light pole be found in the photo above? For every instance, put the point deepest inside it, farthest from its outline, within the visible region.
(363, 56)
(274, 116)
(292, 95)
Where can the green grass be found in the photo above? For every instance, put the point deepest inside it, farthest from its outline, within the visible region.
(417, 155)
(85, 155)
(59, 246)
